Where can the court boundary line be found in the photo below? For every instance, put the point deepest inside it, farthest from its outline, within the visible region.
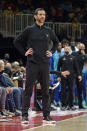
(56, 122)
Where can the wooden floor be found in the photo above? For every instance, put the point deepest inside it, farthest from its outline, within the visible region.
(74, 124)
(66, 121)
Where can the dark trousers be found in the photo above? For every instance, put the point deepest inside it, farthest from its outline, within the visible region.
(79, 91)
(67, 97)
(33, 72)
(52, 94)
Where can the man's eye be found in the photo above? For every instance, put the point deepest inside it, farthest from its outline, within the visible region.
(42, 14)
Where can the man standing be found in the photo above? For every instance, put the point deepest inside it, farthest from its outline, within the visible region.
(34, 43)
(81, 59)
(68, 67)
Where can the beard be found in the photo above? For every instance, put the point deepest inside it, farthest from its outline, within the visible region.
(41, 20)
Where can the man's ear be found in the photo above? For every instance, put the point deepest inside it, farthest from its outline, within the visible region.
(35, 17)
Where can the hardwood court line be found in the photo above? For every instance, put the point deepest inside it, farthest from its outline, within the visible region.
(72, 118)
(35, 127)
(56, 122)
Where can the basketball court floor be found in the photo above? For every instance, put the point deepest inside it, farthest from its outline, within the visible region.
(66, 121)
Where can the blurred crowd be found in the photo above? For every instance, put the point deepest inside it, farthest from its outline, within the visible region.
(13, 76)
(61, 95)
(60, 11)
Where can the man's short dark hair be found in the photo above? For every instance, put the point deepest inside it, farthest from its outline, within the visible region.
(38, 9)
(64, 41)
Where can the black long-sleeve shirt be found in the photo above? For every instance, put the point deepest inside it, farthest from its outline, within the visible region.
(80, 60)
(68, 63)
(38, 38)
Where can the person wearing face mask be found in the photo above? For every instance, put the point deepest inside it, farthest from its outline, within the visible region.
(68, 66)
(80, 58)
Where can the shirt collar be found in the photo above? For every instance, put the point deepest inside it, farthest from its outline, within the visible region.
(40, 27)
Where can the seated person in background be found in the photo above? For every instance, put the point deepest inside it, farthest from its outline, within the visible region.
(3, 83)
(17, 92)
(2, 102)
(17, 75)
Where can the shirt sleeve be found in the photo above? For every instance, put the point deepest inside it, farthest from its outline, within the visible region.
(20, 41)
(76, 67)
(59, 66)
(55, 41)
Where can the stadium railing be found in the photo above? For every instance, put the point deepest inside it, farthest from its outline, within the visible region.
(11, 25)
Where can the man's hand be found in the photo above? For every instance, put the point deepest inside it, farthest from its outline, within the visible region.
(9, 90)
(65, 73)
(59, 79)
(48, 53)
(29, 52)
(82, 52)
(80, 78)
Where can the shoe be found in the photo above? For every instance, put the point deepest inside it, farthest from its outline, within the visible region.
(49, 119)
(81, 107)
(52, 109)
(3, 113)
(10, 113)
(63, 108)
(53, 105)
(57, 104)
(17, 113)
(73, 108)
(67, 108)
(2, 116)
(25, 120)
